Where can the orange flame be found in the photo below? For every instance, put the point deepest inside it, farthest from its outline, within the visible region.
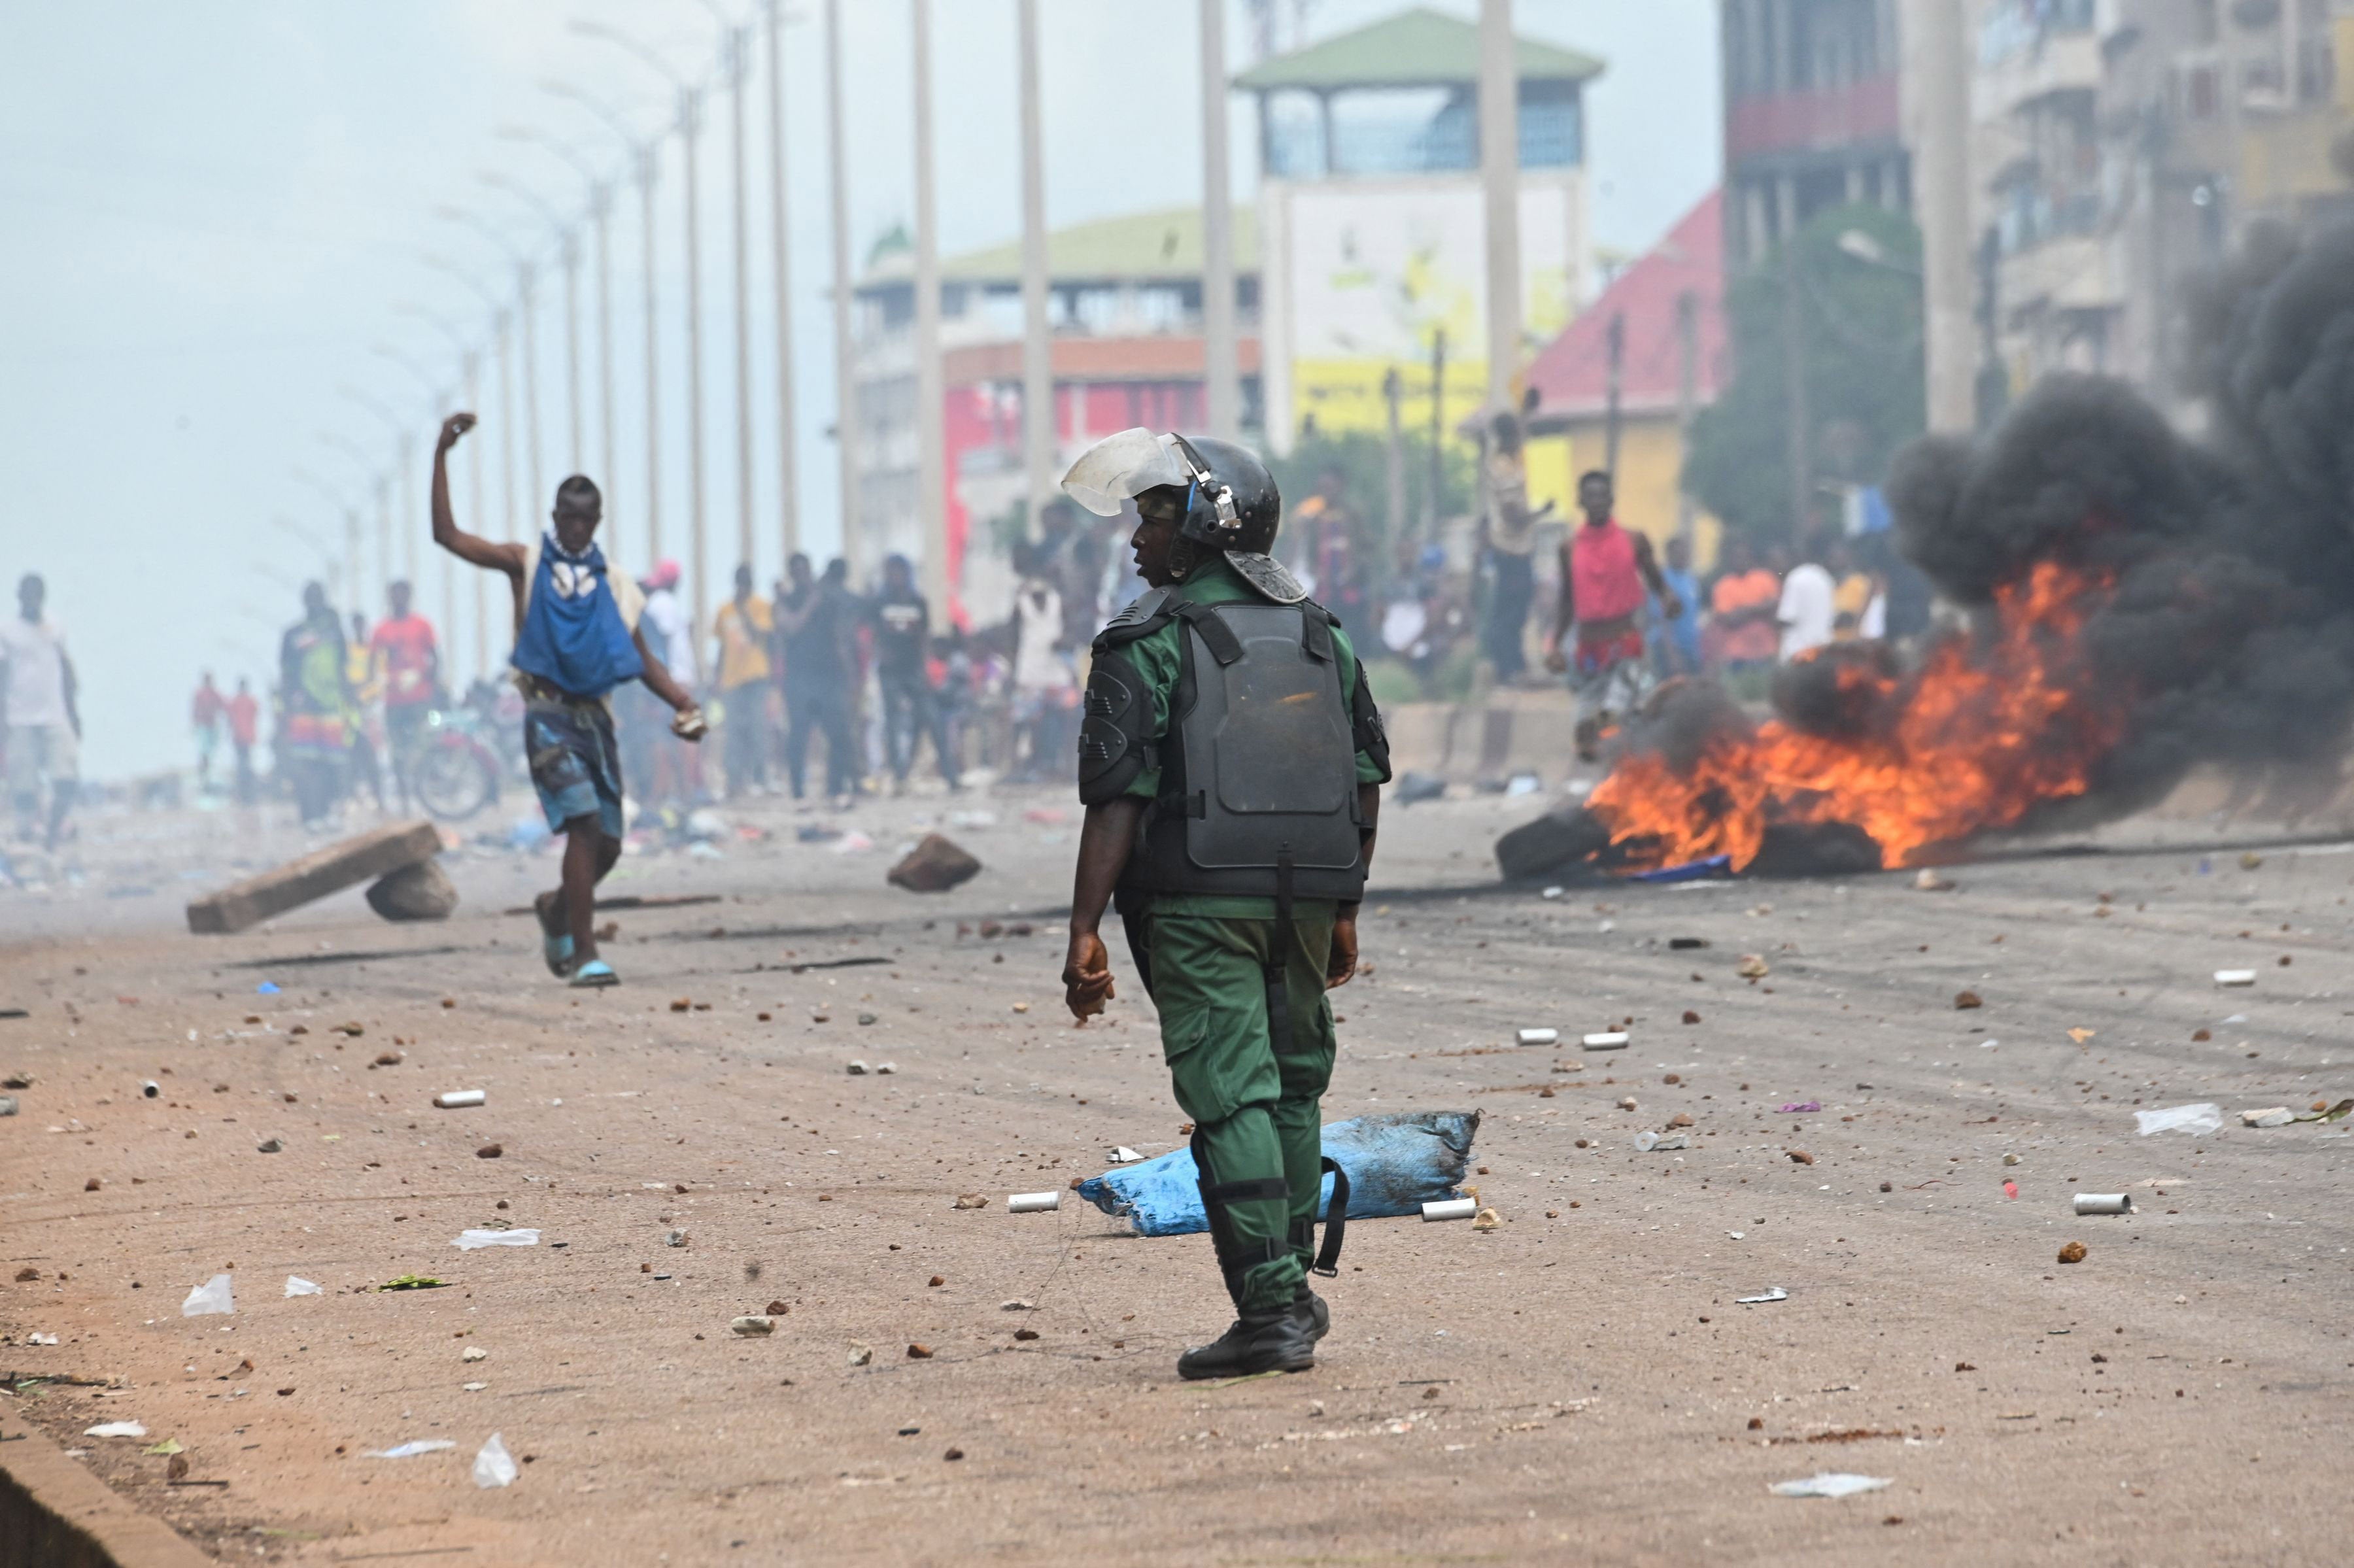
(1982, 734)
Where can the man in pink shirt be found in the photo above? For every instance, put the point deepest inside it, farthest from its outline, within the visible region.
(1604, 570)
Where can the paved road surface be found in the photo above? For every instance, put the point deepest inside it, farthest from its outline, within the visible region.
(1578, 1385)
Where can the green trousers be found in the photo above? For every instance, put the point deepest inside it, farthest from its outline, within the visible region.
(1256, 1106)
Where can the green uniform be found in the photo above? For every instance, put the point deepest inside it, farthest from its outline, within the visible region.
(1255, 1102)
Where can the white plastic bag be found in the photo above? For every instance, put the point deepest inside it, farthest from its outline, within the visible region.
(410, 1450)
(495, 1466)
(213, 1296)
(2198, 1120)
(298, 1286)
(469, 1240)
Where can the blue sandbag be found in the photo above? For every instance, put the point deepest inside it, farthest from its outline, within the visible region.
(1395, 1165)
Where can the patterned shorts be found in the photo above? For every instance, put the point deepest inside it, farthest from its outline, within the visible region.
(575, 765)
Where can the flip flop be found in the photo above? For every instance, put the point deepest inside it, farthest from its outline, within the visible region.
(596, 973)
(554, 942)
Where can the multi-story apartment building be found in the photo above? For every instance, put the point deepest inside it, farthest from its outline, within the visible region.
(1124, 304)
(1812, 116)
(2121, 147)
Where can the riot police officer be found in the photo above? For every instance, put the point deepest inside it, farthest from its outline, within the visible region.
(1231, 762)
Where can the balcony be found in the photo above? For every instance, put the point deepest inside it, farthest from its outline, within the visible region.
(2065, 272)
(2019, 68)
(1851, 114)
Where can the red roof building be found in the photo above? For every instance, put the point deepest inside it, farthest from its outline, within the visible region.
(1572, 374)
(1571, 377)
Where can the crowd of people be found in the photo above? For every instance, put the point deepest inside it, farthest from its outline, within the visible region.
(877, 681)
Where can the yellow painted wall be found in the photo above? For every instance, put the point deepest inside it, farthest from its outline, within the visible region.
(1345, 395)
(1650, 465)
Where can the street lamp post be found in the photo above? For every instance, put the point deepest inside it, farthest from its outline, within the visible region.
(524, 277)
(350, 586)
(404, 439)
(788, 464)
(845, 365)
(471, 362)
(735, 54)
(334, 440)
(601, 211)
(569, 251)
(1039, 431)
(689, 111)
(646, 166)
(436, 399)
(931, 474)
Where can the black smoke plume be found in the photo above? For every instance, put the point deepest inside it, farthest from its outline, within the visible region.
(2230, 632)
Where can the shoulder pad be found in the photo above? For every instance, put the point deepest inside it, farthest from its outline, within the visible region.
(1267, 576)
(1150, 609)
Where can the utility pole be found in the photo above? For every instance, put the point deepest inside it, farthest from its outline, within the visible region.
(689, 113)
(1438, 432)
(530, 378)
(507, 498)
(383, 539)
(1936, 104)
(1613, 387)
(570, 240)
(408, 529)
(1220, 364)
(1038, 422)
(1687, 401)
(845, 369)
(931, 436)
(474, 516)
(788, 462)
(648, 166)
(600, 212)
(1393, 454)
(1797, 413)
(739, 41)
(1500, 186)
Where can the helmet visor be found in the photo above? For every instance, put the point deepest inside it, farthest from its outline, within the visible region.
(1119, 467)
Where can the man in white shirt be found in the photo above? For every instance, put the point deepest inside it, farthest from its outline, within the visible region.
(42, 722)
(1806, 610)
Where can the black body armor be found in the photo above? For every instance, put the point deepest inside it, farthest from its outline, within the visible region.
(1258, 780)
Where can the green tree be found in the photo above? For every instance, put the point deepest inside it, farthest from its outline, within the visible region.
(1360, 461)
(1859, 315)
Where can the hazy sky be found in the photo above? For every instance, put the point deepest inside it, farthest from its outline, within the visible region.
(214, 211)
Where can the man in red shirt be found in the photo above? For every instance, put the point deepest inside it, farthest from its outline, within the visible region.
(244, 724)
(1604, 570)
(408, 670)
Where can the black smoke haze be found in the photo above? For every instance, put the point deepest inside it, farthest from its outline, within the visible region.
(2231, 628)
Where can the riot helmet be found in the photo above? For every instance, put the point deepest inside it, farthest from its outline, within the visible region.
(1231, 502)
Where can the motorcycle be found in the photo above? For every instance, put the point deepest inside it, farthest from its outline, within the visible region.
(455, 773)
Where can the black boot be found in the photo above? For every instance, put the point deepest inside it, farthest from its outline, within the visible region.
(1314, 1315)
(1261, 1341)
